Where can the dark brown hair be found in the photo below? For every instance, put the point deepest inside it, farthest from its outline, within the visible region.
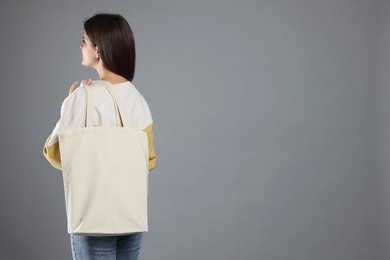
(114, 38)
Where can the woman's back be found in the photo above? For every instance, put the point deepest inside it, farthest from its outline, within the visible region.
(136, 109)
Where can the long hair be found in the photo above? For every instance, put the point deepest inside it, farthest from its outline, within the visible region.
(113, 36)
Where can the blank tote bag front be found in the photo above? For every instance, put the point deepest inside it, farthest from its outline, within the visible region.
(105, 174)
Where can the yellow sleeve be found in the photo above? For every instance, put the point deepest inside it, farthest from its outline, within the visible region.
(152, 153)
(52, 154)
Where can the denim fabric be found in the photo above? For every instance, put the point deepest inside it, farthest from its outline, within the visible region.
(107, 248)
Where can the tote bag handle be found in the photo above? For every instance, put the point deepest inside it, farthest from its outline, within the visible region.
(121, 118)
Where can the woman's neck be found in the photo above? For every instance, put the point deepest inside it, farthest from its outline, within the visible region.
(110, 76)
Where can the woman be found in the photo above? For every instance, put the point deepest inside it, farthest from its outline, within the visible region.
(108, 47)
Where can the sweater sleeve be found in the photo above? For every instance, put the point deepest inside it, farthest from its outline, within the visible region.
(52, 153)
(152, 153)
(51, 148)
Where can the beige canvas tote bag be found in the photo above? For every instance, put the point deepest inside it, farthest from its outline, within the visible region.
(105, 174)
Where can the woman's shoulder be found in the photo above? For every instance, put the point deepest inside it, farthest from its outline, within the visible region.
(75, 98)
(132, 98)
(127, 91)
(136, 103)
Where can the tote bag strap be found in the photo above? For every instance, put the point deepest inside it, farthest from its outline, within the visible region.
(121, 118)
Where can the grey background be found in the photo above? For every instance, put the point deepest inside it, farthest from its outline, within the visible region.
(271, 126)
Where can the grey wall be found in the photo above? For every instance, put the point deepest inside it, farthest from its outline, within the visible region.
(384, 115)
(270, 126)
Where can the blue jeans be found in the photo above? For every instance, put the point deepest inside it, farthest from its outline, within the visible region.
(107, 248)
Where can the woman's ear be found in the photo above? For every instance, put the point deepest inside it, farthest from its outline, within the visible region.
(97, 54)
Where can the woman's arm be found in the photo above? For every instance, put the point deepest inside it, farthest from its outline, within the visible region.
(51, 148)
